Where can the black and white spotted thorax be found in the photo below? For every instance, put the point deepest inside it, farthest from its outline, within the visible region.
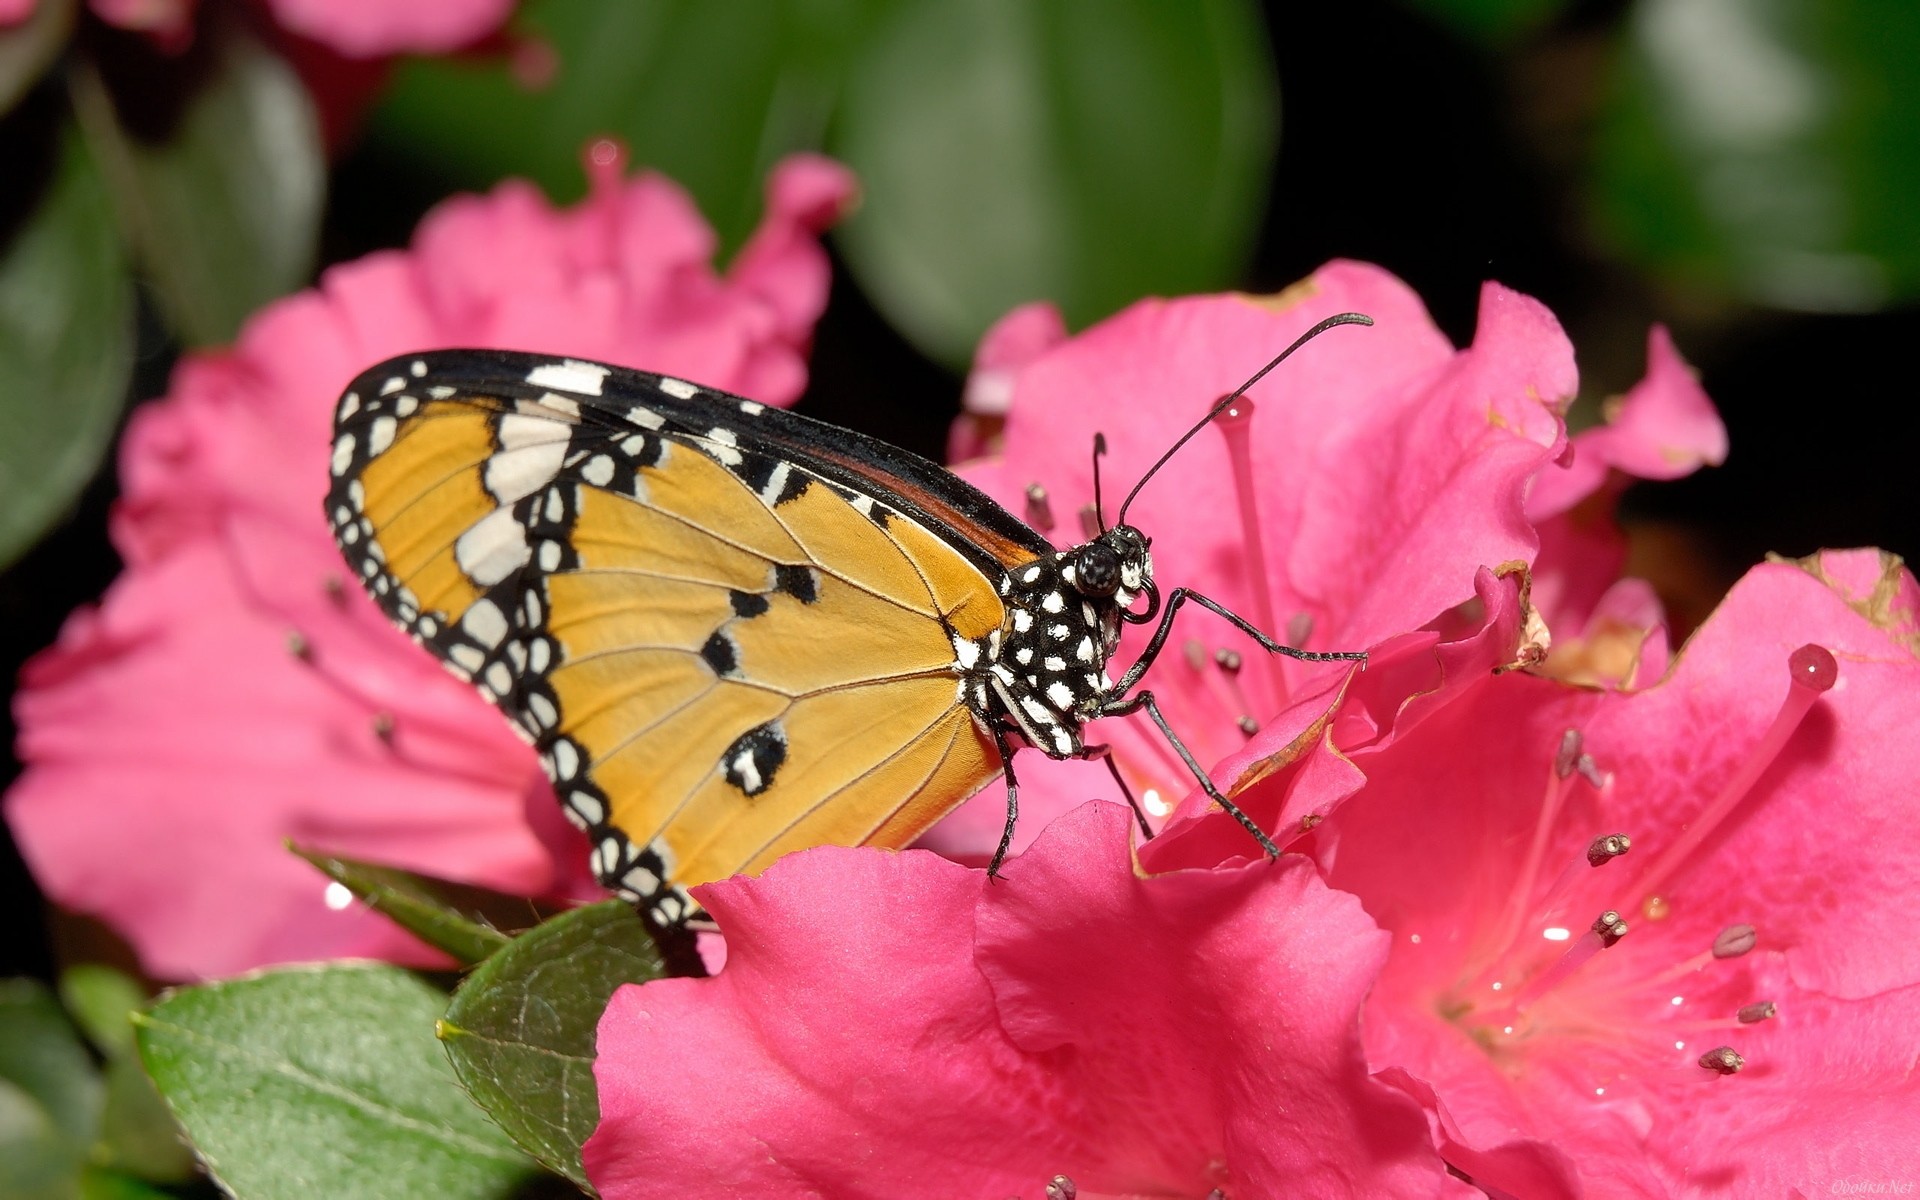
(1045, 668)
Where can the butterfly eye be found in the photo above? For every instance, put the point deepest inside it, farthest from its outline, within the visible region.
(1096, 570)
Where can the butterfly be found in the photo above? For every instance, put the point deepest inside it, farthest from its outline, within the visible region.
(729, 630)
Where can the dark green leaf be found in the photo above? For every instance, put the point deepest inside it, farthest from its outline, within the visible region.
(222, 201)
(521, 1028)
(324, 1081)
(1079, 152)
(1767, 151)
(42, 1056)
(29, 48)
(463, 920)
(138, 1135)
(711, 94)
(101, 1184)
(66, 346)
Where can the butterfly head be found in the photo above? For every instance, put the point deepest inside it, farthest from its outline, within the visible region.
(1115, 567)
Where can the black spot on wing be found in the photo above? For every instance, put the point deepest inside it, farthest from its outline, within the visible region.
(754, 758)
(796, 581)
(747, 604)
(772, 479)
(721, 654)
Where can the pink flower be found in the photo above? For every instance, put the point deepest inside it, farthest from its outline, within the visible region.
(1375, 484)
(893, 1025)
(1767, 795)
(234, 689)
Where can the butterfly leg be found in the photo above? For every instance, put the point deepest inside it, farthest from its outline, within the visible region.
(1120, 708)
(1105, 755)
(1179, 597)
(1013, 802)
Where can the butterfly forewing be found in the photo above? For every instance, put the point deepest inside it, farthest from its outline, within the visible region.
(730, 632)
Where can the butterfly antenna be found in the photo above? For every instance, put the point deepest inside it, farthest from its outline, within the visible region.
(1099, 451)
(1350, 318)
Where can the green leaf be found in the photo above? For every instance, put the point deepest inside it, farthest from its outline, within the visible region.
(138, 1135)
(1084, 153)
(29, 48)
(42, 1056)
(37, 1162)
(463, 920)
(324, 1080)
(102, 1002)
(66, 346)
(222, 201)
(521, 1028)
(711, 94)
(1766, 152)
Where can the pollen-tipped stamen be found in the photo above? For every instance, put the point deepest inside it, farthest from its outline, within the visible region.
(1235, 423)
(1812, 670)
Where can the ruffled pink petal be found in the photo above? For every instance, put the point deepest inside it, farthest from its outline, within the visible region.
(1142, 1036)
(369, 28)
(1664, 428)
(1014, 341)
(236, 680)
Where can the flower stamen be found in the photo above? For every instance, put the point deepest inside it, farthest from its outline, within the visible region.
(1039, 508)
(1812, 670)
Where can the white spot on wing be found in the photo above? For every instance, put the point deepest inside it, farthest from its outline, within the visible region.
(598, 470)
(752, 408)
(485, 623)
(966, 652)
(678, 388)
(570, 375)
(493, 549)
(530, 454)
(343, 455)
(380, 434)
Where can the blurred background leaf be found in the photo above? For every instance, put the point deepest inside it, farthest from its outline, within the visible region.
(29, 48)
(215, 162)
(66, 342)
(1767, 151)
(1085, 153)
(697, 92)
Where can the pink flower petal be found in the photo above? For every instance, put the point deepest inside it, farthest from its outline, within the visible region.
(235, 689)
(1141, 1036)
(370, 28)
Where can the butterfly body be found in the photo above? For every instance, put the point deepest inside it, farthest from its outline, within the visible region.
(730, 631)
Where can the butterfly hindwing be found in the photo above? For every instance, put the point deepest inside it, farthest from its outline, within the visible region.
(731, 632)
